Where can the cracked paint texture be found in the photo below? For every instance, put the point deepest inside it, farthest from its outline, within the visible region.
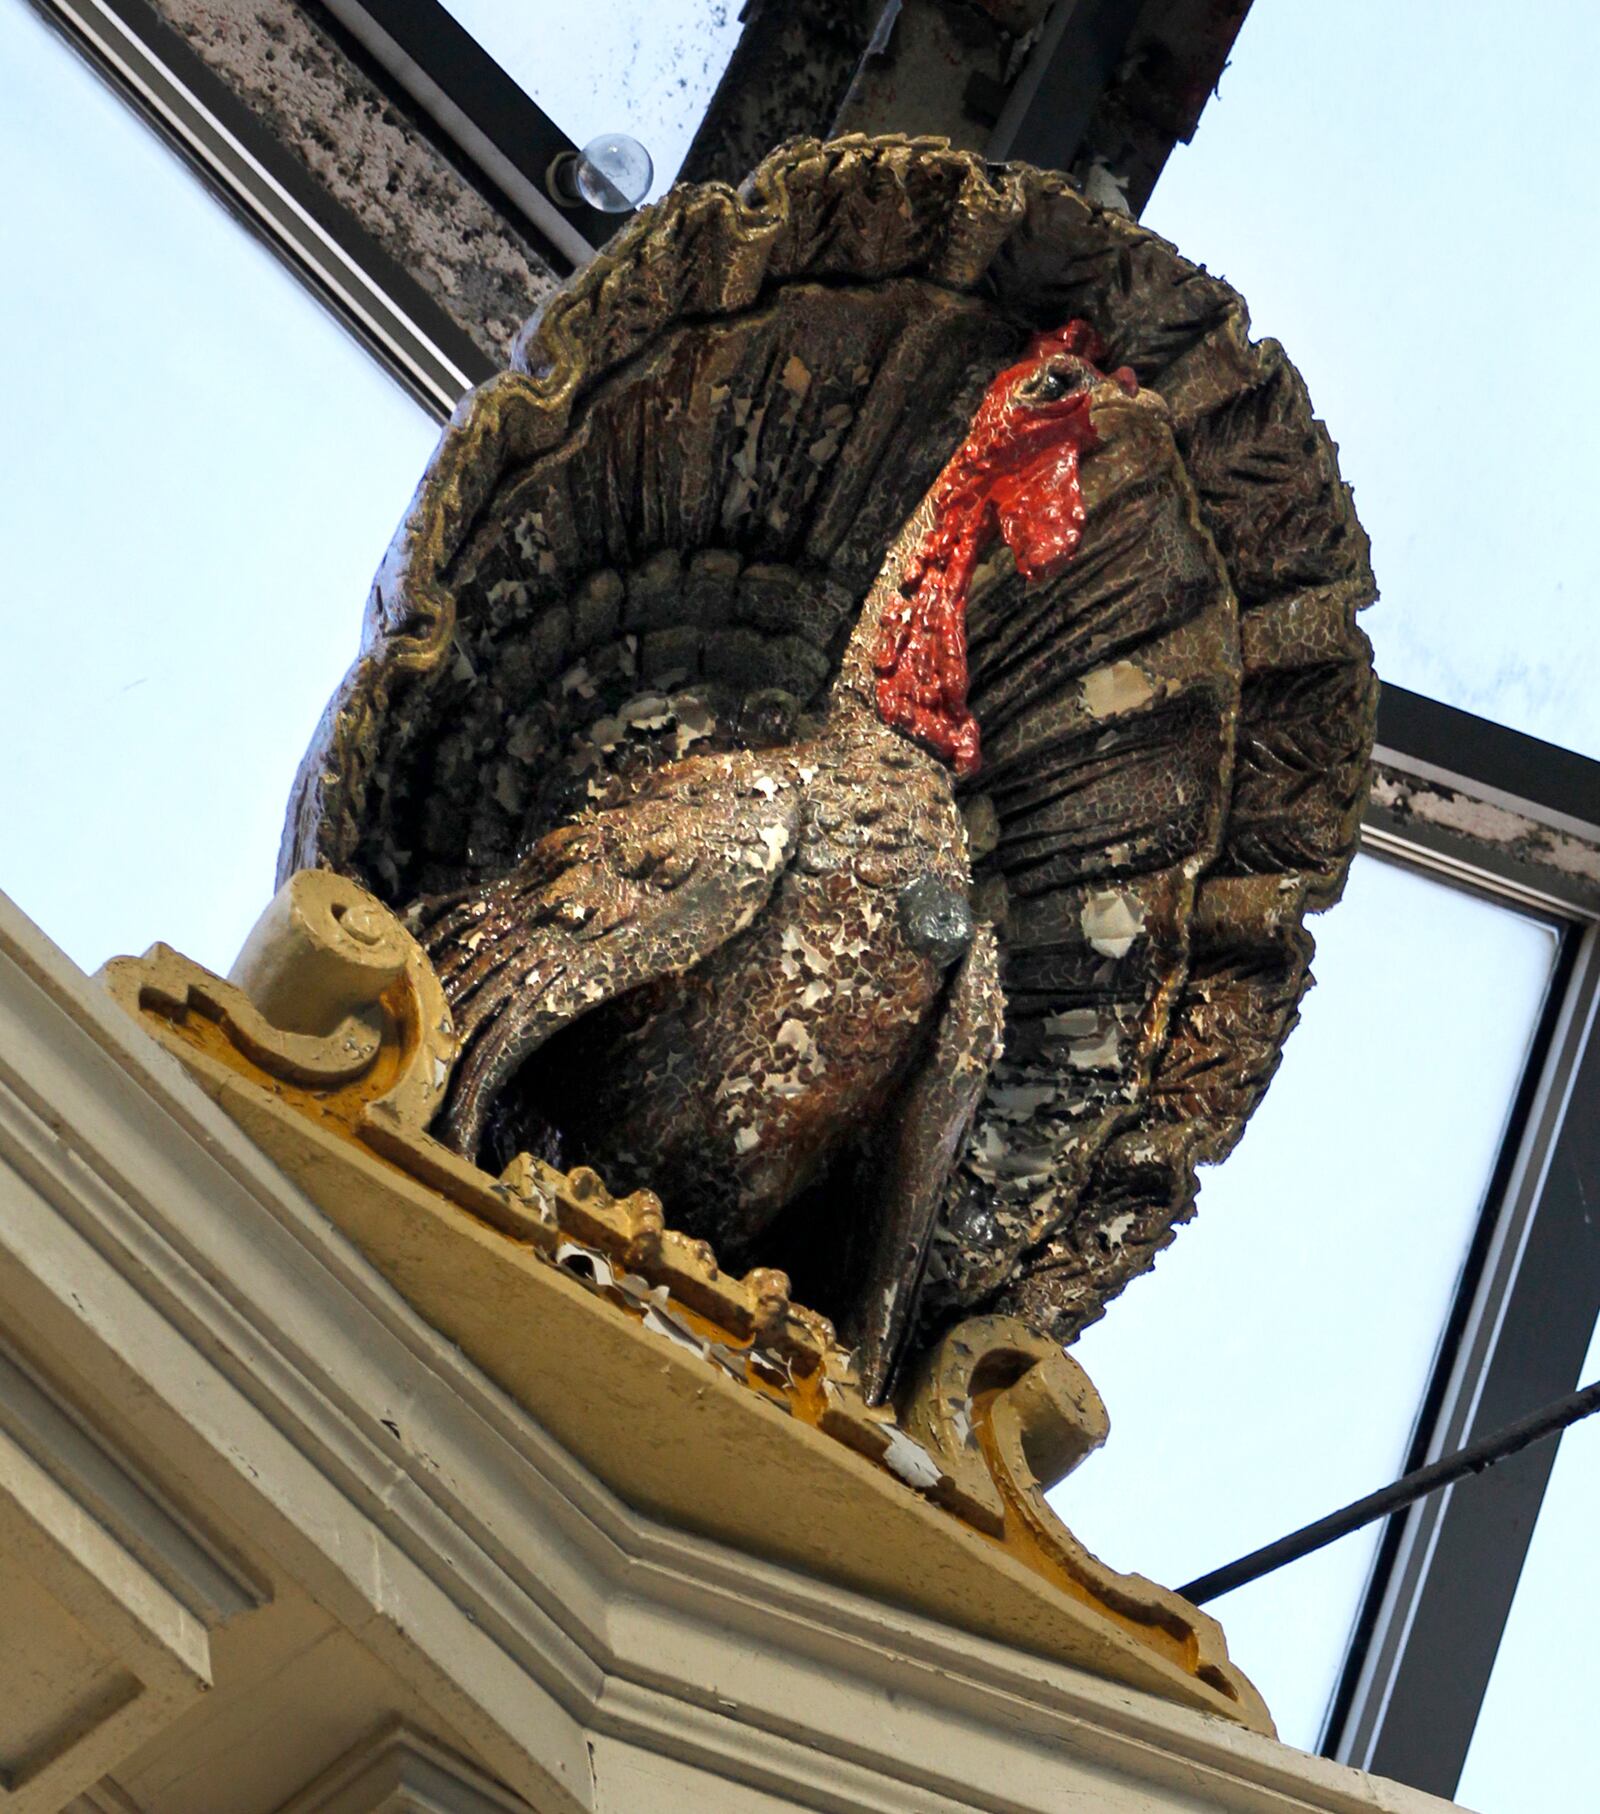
(371, 159)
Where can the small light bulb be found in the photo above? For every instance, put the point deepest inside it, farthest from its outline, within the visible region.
(614, 173)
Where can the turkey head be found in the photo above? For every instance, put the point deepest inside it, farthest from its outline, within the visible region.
(858, 715)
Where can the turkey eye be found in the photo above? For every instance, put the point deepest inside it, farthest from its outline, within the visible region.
(1054, 384)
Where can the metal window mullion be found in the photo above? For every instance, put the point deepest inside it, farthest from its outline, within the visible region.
(1446, 1570)
(1438, 1609)
(1541, 896)
(1055, 95)
(1540, 807)
(484, 112)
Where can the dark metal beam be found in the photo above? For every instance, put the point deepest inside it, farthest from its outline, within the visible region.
(1085, 82)
(1112, 85)
(941, 67)
(1046, 117)
(1486, 806)
(787, 78)
(1460, 749)
(487, 116)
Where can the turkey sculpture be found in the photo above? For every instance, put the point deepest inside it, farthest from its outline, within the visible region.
(857, 717)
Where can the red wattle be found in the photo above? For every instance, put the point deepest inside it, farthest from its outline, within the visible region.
(1016, 476)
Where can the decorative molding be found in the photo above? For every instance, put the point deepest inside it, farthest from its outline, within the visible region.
(97, 1655)
(212, 1586)
(401, 1771)
(240, 1344)
(693, 1362)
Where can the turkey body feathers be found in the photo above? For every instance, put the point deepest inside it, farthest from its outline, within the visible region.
(727, 973)
(653, 540)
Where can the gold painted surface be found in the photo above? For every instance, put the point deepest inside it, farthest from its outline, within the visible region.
(712, 1402)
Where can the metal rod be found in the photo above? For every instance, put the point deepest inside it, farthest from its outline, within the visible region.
(1473, 1459)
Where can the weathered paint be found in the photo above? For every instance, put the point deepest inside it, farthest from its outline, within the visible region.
(371, 159)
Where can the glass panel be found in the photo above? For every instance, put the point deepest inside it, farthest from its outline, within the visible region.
(644, 67)
(1424, 264)
(1534, 1743)
(203, 473)
(1269, 1370)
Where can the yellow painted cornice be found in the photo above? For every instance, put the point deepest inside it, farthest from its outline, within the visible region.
(713, 1403)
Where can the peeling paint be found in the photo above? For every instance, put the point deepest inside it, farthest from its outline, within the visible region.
(1122, 686)
(1097, 1054)
(1498, 833)
(908, 1459)
(1112, 920)
(371, 160)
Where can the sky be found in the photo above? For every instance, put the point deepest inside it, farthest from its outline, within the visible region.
(644, 67)
(203, 470)
(1405, 194)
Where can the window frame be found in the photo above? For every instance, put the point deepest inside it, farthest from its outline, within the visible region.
(149, 66)
(1418, 1663)
(489, 118)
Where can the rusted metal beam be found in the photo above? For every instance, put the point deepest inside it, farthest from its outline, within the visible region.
(1485, 805)
(1113, 85)
(1172, 62)
(788, 76)
(943, 67)
(1103, 88)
